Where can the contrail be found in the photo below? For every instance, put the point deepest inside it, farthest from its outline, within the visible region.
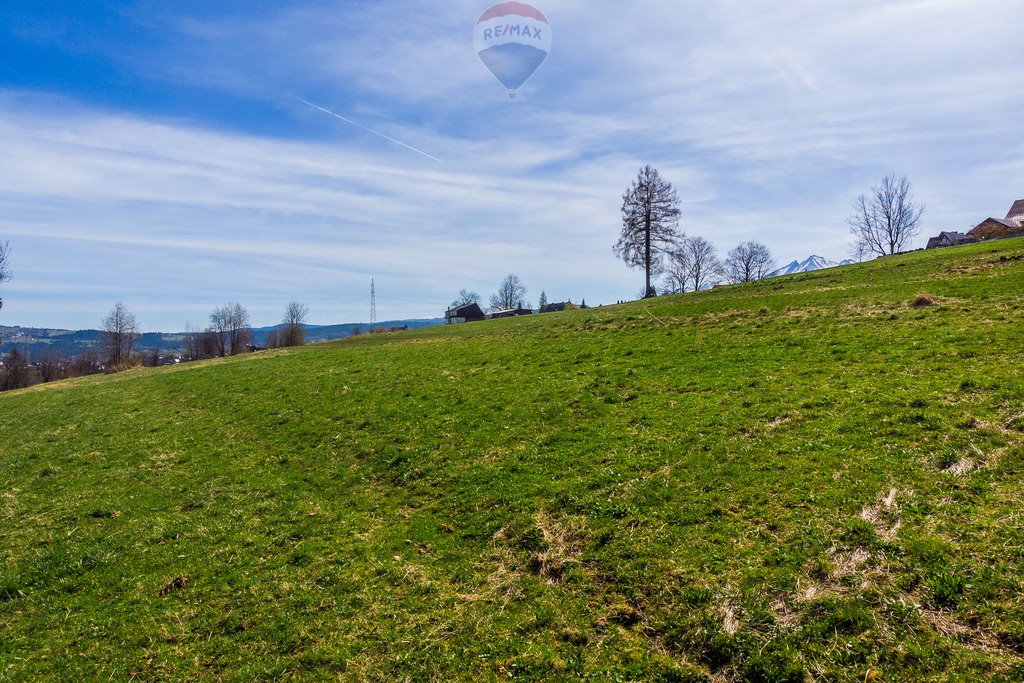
(369, 130)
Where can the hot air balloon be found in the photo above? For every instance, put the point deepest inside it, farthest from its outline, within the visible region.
(512, 39)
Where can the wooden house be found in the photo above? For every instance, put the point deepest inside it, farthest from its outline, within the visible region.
(466, 313)
(999, 228)
(950, 239)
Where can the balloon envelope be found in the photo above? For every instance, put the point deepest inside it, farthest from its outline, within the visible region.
(512, 39)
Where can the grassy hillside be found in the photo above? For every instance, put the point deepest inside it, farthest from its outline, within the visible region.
(808, 478)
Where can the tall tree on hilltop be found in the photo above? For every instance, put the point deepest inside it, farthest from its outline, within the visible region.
(542, 303)
(748, 262)
(230, 325)
(293, 328)
(702, 264)
(886, 219)
(466, 296)
(650, 222)
(511, 294)
(119, 334)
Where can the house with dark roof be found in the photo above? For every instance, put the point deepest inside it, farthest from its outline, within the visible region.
(1000, 228)
(950, 239)
(1016, 214)
(466, 313)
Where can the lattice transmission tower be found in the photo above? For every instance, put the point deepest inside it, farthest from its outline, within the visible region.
(373, 305)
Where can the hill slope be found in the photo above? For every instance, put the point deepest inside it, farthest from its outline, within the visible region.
(806, 476)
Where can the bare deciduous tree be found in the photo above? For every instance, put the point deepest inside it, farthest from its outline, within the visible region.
(198, 345)
(703, 265)
(293, 328)
(86, 363)
(5, 267)
(119, 334)
(511, 294)
(650, 221)
(207, 344)
(466, 296)
(692, 265)
(151, 358)
(16, 372)
(886, 219)
(190, 344)
(230, 326)
(53, 366)
(748, 262)
(676, 269)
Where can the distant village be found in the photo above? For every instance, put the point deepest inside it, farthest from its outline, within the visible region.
(988, 229)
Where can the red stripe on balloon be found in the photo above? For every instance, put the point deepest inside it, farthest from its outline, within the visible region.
(517, 8)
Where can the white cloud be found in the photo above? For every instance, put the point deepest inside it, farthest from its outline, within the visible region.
(769, 117)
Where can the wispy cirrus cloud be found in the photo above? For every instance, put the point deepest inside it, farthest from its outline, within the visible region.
(215, 183)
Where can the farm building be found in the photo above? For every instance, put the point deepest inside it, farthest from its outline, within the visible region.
(950, 239)
(465, 313)
(999, 228)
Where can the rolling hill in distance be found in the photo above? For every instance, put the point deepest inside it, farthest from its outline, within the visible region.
(73, 342)
(812, 477)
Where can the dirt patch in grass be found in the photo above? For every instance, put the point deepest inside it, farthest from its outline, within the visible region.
(175, 584)
(563, 540)
(961, 468)
(730, 622)
(884, 515)
(975, 638)
(923, 300)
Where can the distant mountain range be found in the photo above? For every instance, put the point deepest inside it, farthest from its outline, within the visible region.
(809, 264)
(73, 342)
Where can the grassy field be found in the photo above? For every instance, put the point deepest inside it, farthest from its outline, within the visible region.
(817, 477)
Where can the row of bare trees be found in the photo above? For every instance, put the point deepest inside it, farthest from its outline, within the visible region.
(50, 366)
(651, 239)
(229, 333)
(884, 221)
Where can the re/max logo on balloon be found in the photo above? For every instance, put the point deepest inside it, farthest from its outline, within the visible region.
(512, 39)
(512, 30)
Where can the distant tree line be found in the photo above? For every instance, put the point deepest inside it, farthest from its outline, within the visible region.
(229, 333)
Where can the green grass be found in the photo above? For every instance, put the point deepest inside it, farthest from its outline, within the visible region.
(805, 478)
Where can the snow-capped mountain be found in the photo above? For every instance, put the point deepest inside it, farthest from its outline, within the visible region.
(809, 264)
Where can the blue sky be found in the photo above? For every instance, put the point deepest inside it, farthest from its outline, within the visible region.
(158, 153)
